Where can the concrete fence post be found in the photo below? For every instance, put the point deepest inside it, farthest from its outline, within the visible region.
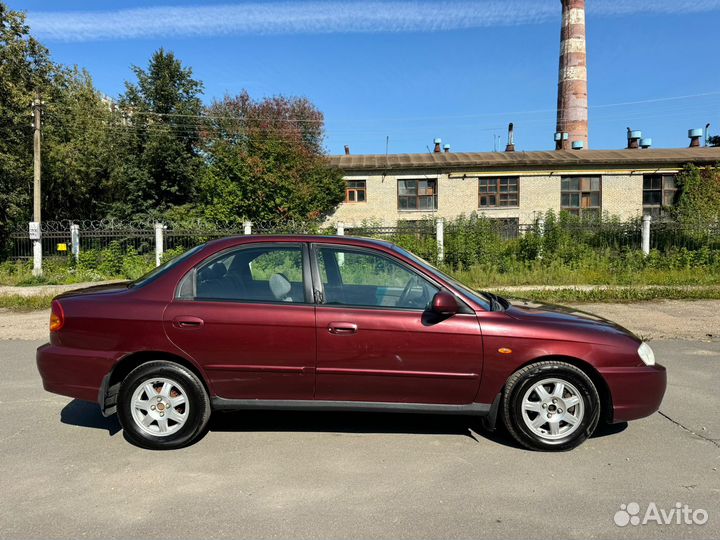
(36, 237)
(340, 231)
(75, 240)
(159, 241)
(248, 227)
(646, 234)
(440, 238)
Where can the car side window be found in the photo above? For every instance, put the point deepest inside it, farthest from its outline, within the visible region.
(360, 278)
(258, 274)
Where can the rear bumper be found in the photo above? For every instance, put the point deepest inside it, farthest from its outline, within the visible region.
(70, 372)
(636, 392)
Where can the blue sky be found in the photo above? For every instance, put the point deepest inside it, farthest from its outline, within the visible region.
(413, 71)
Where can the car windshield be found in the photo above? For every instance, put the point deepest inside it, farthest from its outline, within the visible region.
(155, 273)
(488, 301)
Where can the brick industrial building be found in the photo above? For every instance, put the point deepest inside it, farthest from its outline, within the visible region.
(515, 185)
(520, 185)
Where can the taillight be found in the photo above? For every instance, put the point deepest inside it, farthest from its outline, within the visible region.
(57, 316)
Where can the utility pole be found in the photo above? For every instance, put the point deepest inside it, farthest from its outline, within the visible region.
(35, 234)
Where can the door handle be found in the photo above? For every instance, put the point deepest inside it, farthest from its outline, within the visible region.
(187, 322)
(342, 328)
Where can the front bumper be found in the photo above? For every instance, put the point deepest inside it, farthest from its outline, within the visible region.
(71, 372)
(636, 392)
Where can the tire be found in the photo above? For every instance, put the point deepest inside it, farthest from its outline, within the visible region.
(163, 406)
(536, 421)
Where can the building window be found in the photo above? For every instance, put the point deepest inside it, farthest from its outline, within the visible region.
(417, 194)
(580, 195)
(506, 228)
(659, 193)
(498, 192)
(355, 191)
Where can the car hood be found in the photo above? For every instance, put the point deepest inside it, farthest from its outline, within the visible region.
(540, 312)
(105, 288)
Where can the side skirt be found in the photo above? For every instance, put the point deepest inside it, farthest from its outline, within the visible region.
(223, 404)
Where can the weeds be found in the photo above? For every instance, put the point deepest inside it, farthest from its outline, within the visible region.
(615, 294)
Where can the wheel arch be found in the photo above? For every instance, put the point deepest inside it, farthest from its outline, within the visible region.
(606, 405)
(111, 383)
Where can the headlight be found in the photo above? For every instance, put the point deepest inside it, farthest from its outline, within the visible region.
(646, 354)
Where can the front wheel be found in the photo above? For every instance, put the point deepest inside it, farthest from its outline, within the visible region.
(551, 406)
(162, 406)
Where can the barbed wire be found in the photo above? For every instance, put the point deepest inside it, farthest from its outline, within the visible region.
(171, 226)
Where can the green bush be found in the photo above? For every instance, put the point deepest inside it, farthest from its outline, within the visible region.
(564, 250)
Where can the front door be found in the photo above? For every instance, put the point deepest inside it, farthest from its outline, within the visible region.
(375, 340)
(246, 316)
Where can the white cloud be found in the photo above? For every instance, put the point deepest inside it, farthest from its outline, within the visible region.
(316, 17)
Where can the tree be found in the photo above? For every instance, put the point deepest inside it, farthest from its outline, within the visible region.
(75, 134)
(77, 138)
(714, 140)
(699, 202)
(25, 68)
(156, 163)
(266, 162)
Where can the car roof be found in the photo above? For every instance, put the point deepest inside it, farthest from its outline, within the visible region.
(318, 239)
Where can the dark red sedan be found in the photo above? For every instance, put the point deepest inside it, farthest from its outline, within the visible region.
(337, 323)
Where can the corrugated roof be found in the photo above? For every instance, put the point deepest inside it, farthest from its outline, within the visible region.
(552, 159)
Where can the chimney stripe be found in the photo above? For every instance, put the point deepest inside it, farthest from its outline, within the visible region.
(572, 45)
(574, 16)
(573, 73)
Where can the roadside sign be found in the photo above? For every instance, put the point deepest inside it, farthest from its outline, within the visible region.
(62, 247)
(34, 230)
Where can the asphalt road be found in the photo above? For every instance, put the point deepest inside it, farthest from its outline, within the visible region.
(68, 473)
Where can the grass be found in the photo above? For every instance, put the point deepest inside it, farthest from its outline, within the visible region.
(574, 295)
(568, 295)
(620, 276)
(554, 273)
(16, 302)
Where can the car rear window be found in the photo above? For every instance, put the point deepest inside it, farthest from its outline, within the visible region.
(155, 273)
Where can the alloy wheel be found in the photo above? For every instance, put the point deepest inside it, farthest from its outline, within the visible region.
(159, 406)
(553, 409)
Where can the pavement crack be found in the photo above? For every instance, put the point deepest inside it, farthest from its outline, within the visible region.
(685, 428)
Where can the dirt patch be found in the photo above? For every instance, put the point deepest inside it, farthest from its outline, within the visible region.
(663, 319)
(24, 325)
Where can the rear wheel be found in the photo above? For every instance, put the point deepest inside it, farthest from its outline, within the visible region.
(551, 406)
(162, 405)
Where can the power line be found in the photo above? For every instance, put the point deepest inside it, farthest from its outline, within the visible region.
(242, 118)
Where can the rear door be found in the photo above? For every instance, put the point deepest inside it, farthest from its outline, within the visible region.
(246, 316)
(376, 341)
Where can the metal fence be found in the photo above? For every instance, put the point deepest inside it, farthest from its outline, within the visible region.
(429, 238)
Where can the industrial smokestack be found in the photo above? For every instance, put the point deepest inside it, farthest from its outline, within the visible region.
(572, 113)
(511, 138)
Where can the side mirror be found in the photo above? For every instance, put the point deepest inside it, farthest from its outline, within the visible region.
(444, 303)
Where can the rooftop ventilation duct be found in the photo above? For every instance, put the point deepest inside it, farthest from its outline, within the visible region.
(695, 135)
(511, 138)
(634, 136)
